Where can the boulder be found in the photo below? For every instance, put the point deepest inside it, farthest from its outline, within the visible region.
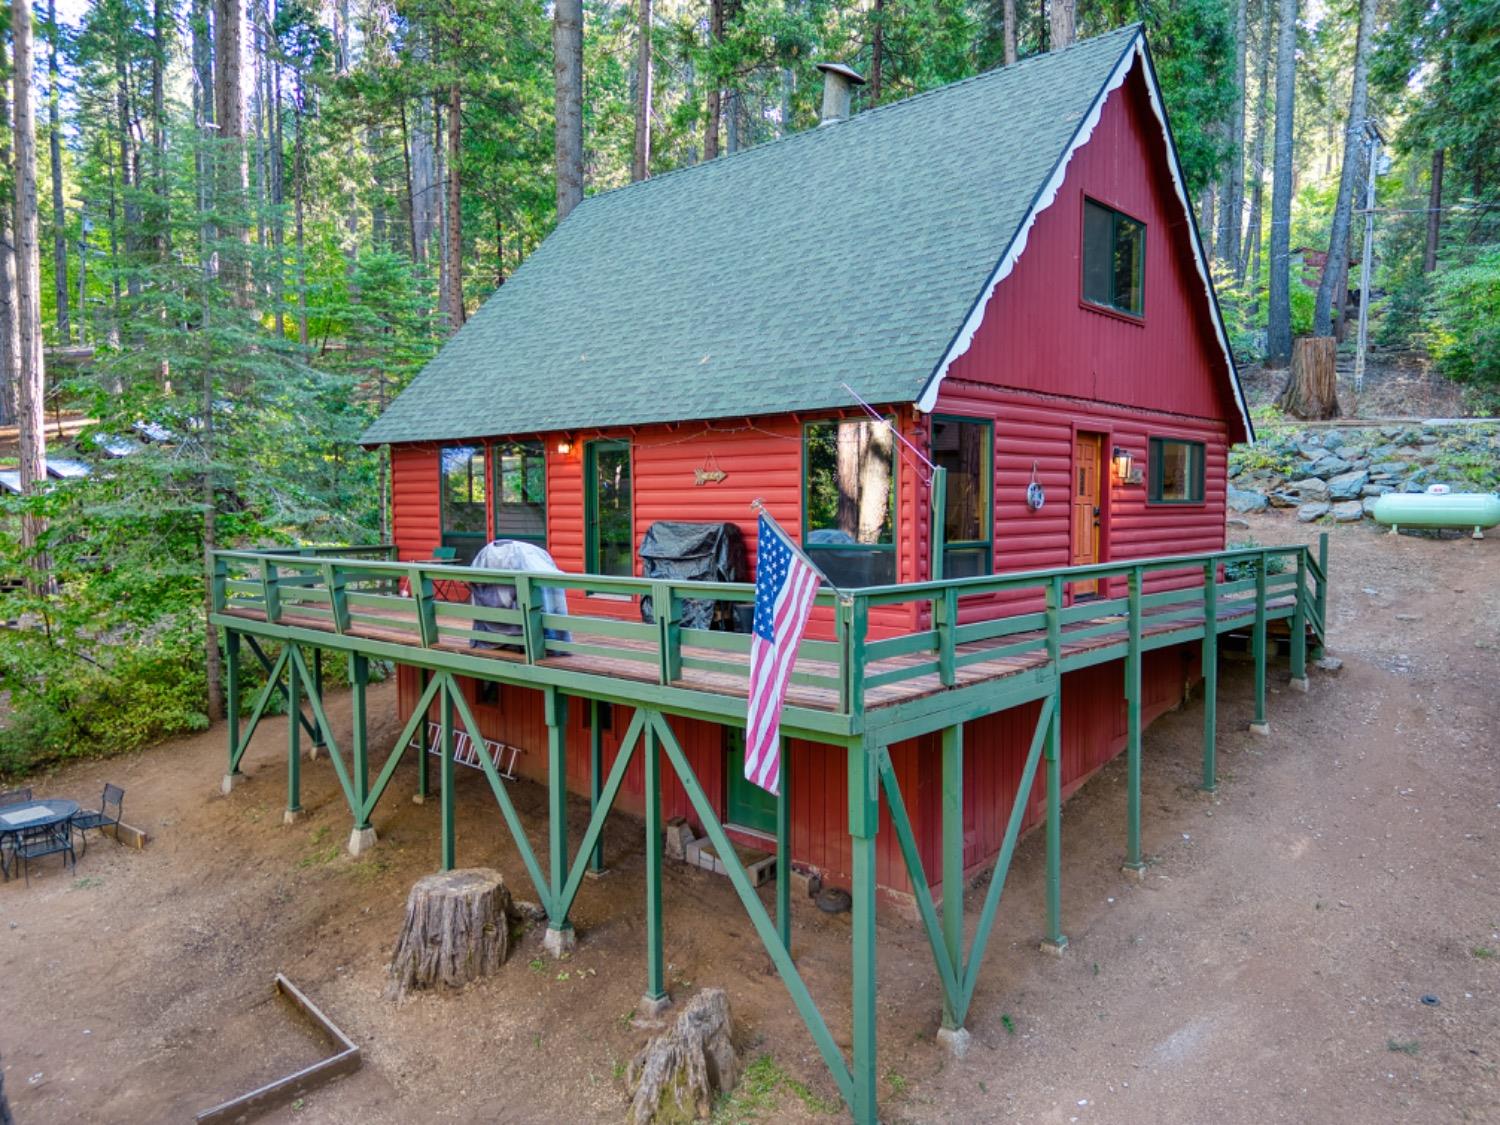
(1346, 486)
(1386, 452)
(1349, 511)
(1283, 500)
(1333, 440)
(1388, 468)
(1315, 511)
(1368, 503)
(1245, 500)
(1309, 489)
(1375, 490)
(1329, 466)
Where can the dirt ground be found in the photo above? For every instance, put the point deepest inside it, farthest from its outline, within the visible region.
(1396, 385)
(1272, 967)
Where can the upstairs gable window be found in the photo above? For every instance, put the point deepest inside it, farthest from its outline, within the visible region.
(1114, 259)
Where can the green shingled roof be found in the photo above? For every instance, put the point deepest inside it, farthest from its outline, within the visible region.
(756, 283)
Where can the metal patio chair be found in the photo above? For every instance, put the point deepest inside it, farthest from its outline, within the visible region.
(15, 796)
(110, 809)
(7, 839)
(37, 843)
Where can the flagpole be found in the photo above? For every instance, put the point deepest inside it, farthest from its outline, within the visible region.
(758, 506)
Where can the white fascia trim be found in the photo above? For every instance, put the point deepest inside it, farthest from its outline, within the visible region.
(1045, 198)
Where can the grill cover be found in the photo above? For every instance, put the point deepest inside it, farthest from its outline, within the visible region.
(700, 552)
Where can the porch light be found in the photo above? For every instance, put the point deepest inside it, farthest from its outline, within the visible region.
(564, 446)
(1123, 464)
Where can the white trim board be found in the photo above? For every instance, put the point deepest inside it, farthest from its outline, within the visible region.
(964, 339)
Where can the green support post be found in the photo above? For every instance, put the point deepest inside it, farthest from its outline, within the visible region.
(318, 686)
(953, 856)
(784, 849)
(1259, 724)
(559, 938)
(293, 750)
(1210, 676)
(422, 747)
(1299, 627)
(656, 999)
(1133, 864)
(939, 520)
(1055, 941)
(864, 823)
(596, 774)
(363, 836)
(232, 704)
(1322, 599)
(445, 772)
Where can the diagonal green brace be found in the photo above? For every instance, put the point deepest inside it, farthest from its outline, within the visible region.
(408, 732)
(920, 887)
(320, 717)
(273, 681)
(764, 927)
(1007, 851)
(581, 861)
(502, 798)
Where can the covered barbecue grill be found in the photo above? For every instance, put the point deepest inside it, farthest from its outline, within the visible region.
(702, 552)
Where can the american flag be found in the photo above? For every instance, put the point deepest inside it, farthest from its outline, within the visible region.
(785, 586)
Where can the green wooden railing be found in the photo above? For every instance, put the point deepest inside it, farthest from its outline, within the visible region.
(1026, 619)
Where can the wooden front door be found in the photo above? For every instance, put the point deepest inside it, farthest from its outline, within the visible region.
(1088, 464)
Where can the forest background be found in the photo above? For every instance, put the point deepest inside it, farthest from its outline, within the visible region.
(230, 233)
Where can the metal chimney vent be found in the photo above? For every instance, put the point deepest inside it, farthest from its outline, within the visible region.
(838, 91)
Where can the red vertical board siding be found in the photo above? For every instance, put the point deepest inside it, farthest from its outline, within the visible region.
(416, 522)
(1037, 335)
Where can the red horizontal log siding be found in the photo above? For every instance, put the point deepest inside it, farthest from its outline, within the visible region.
(416, 522)
(1037, 335)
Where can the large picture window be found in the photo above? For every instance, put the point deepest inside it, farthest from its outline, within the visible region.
(963, 447)
(609, 542)
(520, 491)
(463, 506)
(1114, 259)
(849, 503)
(1176, 472)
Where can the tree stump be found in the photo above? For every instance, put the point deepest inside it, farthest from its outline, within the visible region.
(1312, 387)
(456, 930)
(677, 1075)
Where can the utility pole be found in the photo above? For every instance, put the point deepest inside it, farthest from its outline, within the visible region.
(1372, 143)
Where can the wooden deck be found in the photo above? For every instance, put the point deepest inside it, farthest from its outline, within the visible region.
(637, 660)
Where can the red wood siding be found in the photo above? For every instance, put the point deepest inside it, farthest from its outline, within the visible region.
(416, 522)
(1037, 335)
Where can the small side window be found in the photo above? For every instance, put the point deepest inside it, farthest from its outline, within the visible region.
(1176, 472)
(1114, 259)
(463, 508)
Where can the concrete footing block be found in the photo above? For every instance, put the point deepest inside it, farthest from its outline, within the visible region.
(314, 752)
(653, 1007)
(1054, 947)
(362, 840)
(231, 782)
(1298, 683)
(560, 943)
(292, 816)
(1135, 872)
(418, 799)
(1262, 729)
(956, 1039)
(590, 873)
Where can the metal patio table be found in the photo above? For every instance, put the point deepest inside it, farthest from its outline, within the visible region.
(26, 815)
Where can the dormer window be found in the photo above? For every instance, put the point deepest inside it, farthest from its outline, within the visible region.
(1114, 260)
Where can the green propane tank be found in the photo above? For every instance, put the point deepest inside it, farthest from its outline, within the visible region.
(1437, 507)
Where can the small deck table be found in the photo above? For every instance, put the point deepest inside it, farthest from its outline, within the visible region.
(26, 815)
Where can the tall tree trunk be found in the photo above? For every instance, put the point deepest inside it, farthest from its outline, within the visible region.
(1232, 206)
(1279, 313)
(1336, 268)
(1060, 15)
(455, 214)
(299, 191)
(877, 53)
(1206, 203)
(10, 340)
(1008, 14)
(161, 20)
(640, 165)
(1434, 213)
(423, 187)
(32, 380)
(129, 169)
(1258, 150)
(567, 71)
(711, 126)
(229, 112)
(278, 199)
(59, 215)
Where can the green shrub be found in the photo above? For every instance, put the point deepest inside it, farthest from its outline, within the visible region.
(1463, 321)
